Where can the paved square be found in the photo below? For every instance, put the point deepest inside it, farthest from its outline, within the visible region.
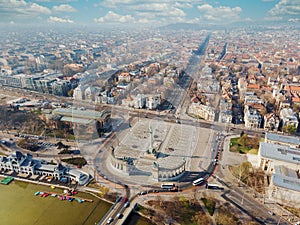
(174, 143)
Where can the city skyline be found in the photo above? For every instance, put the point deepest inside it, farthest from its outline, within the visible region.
(147, 13)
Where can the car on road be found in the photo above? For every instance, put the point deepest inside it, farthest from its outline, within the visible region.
(119, 215)
(271, 213)
(109, 220)
(126, 204)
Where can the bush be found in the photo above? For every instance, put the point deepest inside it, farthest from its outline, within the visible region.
(210, 205)
(78, 161)
(225, 216)
(65, 151)
(28, 144)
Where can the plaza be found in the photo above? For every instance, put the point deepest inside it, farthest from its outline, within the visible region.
(156, 150)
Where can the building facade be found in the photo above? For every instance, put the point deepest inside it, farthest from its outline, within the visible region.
(25, 164)
(203, 111)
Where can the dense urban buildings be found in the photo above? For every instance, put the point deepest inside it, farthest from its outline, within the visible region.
(185, 111)
(233, 82)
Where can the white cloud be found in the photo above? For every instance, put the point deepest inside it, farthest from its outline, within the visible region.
(219, 14)
(294, 20)
(21, 8)
(55, 0)
(151, 12)
(54, 19)
(182, 3)
(273, 18)
(36, 8)
(143, 20)
(154, 11)
(286, 8)
(112, 17)
(64, 8)
(157, 10)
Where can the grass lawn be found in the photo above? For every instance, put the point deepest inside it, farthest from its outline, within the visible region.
(253, 151)
(236, 147)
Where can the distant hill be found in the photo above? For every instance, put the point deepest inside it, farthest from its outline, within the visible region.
(184, 26)
(240, 24)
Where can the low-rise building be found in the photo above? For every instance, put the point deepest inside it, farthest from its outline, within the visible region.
(99, 120)
(26, 164)
(252, 118)
(203, 111)
(124, 76)
(61, 87)
(225, 115)
(139, 101)
(288, 117)
(271, 121)
(105, 97)
(153, 101)
(293, 142)
(279, 157)
(78, 93)
(271, 154)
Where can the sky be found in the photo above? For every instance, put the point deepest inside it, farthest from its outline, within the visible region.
(147, 12)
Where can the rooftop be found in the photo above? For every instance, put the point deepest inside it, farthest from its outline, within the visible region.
(84, 114)
(282, 139)
(279, 152)
(286, 178)
(77, 120)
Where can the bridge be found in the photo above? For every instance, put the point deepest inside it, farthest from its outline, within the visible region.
(119, 212)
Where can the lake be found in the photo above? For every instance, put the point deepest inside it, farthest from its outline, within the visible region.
(20, 206)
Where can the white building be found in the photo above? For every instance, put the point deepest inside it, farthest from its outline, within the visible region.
(225, 115)
(288, 117)
(293, 142)
(279, 156)
(203, 111)
(153, 101)
(78, 93)
(271, 121)
(24, 163)
(271, 155)
(139, 101)
(252, 118)
(105, 97)
(89, 93)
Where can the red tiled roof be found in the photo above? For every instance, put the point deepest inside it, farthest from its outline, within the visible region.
(253, 86)
(296, 100)
(292, 88)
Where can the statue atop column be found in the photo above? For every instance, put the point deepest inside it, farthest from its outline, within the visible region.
(151, 139)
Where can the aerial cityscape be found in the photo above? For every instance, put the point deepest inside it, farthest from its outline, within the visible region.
(150, 112)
